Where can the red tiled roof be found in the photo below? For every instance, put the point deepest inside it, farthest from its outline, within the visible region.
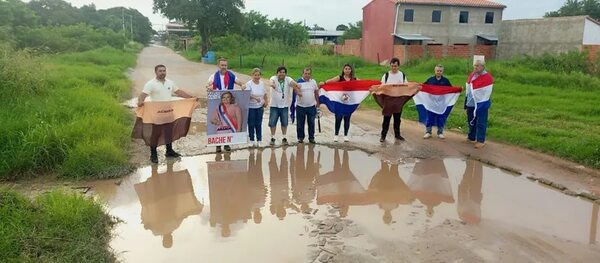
(473, 3)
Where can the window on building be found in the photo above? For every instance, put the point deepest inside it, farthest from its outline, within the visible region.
(436, 16)
(409, 15)
(463, 18)
(489, 17)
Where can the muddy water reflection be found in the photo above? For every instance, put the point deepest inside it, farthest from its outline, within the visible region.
(260, 199)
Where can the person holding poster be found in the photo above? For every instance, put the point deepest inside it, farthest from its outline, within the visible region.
(227, 118)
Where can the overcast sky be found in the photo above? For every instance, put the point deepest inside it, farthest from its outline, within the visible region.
(326, 13)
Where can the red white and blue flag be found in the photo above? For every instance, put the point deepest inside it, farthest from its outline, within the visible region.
(343, 98)
(481, 90)
(434, 103)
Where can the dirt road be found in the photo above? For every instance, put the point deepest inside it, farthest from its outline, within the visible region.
(363, 201)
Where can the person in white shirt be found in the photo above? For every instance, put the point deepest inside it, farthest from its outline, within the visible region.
(223, 79)
(394, 76)
(161, 89)
(307, 105)
(258, 102)
(281, 99)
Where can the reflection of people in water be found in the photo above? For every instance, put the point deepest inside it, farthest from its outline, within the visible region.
(228, 116)
(256, 185)
(389, 190)
(340, 187)
(167, 199)
(469, 193)
(303, 176)
(430, 184)
(229, 194)
(280, 191)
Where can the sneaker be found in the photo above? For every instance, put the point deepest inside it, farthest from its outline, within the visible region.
(251, 144)
(311, 141)
(153, 158)
(470, 141)
(172, 154)
(284, 141)
(427, 136)
(399, 138)
(227, 148)
(441, 136)
(219, 149)
(479, 145)
(335, 138)
(257, 144)
(382, 139)
(300, 141)
(272, 142)
(346, 139)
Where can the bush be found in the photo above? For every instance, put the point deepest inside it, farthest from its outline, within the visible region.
(73, 38)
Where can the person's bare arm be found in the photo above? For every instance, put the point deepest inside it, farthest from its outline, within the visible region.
(317, 98)
(296, 87)
(334, 79)
(266, 104)
(239, 83)
(141, 99)
(183, 94)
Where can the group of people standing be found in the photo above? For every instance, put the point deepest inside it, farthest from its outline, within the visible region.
(282, 94)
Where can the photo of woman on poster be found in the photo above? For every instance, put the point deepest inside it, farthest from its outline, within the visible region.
(228, 116)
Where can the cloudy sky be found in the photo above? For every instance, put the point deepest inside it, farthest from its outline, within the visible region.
(326, 13)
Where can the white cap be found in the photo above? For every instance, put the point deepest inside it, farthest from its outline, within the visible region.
(478, 58)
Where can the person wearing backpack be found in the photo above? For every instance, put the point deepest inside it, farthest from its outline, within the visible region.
(394, 76)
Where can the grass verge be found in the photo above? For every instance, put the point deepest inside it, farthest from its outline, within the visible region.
(62, 114)
(54, 227)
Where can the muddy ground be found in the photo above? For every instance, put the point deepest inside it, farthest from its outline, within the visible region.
(362, 201)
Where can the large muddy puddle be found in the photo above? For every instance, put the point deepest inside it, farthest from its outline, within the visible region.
(304, 203)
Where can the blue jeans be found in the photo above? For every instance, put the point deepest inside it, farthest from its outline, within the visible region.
(255, 117)
(478, 126)
(432, 120)
(278, 114)
(308, 114)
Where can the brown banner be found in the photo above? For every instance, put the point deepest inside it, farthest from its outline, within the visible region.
(392, 97)
(160, 123)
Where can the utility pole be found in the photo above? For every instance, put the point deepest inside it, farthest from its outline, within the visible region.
(123, 18)
(131, 26)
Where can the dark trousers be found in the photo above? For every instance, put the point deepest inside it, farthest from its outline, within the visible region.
(157, 130)
(338, 124)
(477, 125)
(308, 115)
(385, 126)
(255, 117)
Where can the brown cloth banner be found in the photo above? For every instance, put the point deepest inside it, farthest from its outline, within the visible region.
(392, 97)
(163, 122)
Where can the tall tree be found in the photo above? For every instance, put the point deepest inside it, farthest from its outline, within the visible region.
(209, 17)
(578, 8)
(255, 26)
(341, 27)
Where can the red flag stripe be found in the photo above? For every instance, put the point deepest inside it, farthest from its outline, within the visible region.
(353, 85)
(440, 90)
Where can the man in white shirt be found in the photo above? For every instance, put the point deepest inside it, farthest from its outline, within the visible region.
(161, 89)
(307, 105)
(394, 76)
(225, 80)
(281, 99)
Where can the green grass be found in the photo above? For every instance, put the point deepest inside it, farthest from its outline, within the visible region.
(54, 227)
(62, 114)
(532, 107)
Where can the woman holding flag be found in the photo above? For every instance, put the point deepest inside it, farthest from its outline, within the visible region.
(346, 75)
(228, 117)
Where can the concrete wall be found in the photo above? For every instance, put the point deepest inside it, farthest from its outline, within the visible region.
(351, 47)
(378, 26)
(591, 33)
(538, 36)
(449, 31)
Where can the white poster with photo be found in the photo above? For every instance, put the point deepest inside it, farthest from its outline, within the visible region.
(227, 120)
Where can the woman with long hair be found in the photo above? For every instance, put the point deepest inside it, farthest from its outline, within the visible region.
(227, 117)
(346, 75)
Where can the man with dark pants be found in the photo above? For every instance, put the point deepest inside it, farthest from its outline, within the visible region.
(161, 89)
(394, 76)
(478, 102)
(307, 104)
(223, 79)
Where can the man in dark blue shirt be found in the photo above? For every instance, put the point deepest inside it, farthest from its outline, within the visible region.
(432, 119)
